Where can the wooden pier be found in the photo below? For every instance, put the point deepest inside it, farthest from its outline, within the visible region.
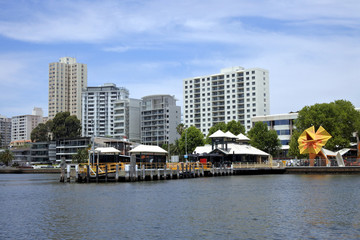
(122, 172)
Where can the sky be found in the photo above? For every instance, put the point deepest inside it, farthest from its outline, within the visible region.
(311, 48)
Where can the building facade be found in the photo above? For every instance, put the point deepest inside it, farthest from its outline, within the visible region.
(5, 131)
(67, 79)
(21, 126)
(98, 109)
(127, 119)
(283, 124)
(159, 118)
(233, 94)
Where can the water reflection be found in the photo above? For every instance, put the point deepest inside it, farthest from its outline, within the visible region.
(236, 207)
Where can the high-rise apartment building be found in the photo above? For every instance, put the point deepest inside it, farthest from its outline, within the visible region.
(127, 119)
(5, 131)
(67, 79)
(21, 126)
(233, 94)
(98, 109)
(159, 118)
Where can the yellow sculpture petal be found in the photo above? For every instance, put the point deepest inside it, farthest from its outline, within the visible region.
(311, 142)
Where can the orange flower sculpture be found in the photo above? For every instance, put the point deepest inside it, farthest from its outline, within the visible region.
(311, 141)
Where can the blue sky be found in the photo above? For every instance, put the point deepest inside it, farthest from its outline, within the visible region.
(311, 47)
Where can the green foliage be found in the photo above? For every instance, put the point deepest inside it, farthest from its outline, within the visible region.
(6, 157)
(339, 118)
(180, 128)
(264, 139)
(294, 146)
(174, 148)
(81, 156)
(65, 126)
(194, 138)
(233, 126)
(42, 132)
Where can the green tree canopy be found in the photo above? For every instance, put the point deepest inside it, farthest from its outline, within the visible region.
(81, 156)
(264, 139)
(42, 132)
(6, 157)
(65, 126)
(339, 118)
(194, 138)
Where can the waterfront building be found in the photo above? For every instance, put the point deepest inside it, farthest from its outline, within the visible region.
(283, 124)
(43, 152)
(98, 109)
(226, 148)
(159, 118)
(127, 119)
(67, 79)
(233, 94)
(5, 131)
(66, 148)
(21, 126)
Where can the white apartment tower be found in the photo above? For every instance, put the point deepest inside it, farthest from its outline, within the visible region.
(127, 119)
(21, 126)
(159, 118)
(67, 79)
(98, 109)
(233, 94)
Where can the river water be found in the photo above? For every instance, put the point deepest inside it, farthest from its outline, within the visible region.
(37, 206)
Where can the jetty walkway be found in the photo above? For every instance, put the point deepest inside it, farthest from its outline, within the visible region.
(114, 172)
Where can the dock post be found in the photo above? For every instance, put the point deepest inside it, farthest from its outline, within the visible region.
(132, 167)
(143, 172)
(177, 172)
(182, 170)
(165, 172)
(68, 173)
(77, 173)
(171, 173)
(97, 173)
(186, 170)
(88, 173)
(158, 174)
(151, 175)
(106, 173)
(117, 173)
(202, 169)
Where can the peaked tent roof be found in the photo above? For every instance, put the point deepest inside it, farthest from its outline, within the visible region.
(242, 137)
(148, 149)
(233, 148)
(218, 134)
(230, 135)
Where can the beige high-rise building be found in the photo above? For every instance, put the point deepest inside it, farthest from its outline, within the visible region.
(67, 79)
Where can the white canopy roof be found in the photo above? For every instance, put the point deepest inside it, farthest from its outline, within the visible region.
(107, 150)
(242, 137)
(230, 135)
(218, 134)
(233, 148)
(148, 149)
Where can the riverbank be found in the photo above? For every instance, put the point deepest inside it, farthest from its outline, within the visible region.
(12, 170)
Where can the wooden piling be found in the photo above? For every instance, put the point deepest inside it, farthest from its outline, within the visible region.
(117, 173)
(97, 173)
(88, 173)
(106, 173)
(177, 172)
(165, 172)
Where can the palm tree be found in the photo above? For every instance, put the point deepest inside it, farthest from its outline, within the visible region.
(6, 157)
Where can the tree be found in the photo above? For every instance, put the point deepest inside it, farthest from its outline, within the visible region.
(42, 132)
(339, 118)
(235, 127)
(264, 139)
(65, 126)
(180, 128)
(194, 138)
(6, 157)
(294, 146)
(81, 156)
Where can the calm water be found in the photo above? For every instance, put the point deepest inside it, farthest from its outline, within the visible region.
(236, 207)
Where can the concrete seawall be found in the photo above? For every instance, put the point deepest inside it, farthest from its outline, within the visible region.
(11, 170)
(322, 170)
